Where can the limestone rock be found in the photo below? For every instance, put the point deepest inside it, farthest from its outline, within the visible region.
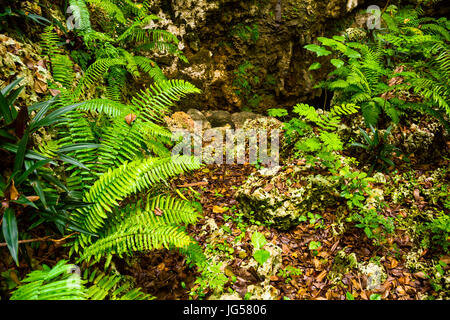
(278, 201)
(239, 118)
(180, 120)
(375, 274)
(219, 118)
(197, 115)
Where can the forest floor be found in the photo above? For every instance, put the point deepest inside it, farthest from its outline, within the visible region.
(166, 276)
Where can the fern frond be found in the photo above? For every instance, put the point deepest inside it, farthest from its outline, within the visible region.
(111, 108)
(57, 283)
(150, 67)
(62, 68)
(110, 8)
(154, 102)
(94, 73)
(129, 178)
(137, 238)
(103, 286)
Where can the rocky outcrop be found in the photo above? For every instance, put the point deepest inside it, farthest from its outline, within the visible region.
(248, 54)
(20, 60)
(280, 199)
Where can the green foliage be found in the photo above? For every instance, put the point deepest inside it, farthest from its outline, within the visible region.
(112, 286)
(246, 32)
(355, 187)
(27, 182)
(314, 246)
(405, 67)
(314, 219)
(288, 272)
(323, 145)
(259, 241)
(63, 282)
(438, 232)
(375, 225)
(57, 283)
(245, 81)
(378, 149)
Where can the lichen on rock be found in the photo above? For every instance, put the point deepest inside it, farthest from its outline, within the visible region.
(281, 199)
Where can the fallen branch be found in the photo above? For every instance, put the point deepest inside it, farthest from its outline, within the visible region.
(4, 244)
(193, 184)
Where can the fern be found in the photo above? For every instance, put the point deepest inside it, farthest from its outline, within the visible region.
(111, 286)
(154, 102)
(57, 283)
(110, 8)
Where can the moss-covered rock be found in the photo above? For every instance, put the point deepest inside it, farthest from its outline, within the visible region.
(279, 200)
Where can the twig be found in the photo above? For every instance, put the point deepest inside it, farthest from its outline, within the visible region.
(193, 184)
(4, 244)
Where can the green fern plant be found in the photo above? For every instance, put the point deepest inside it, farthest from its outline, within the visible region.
(58, 283)
(405, 67)
(64, 282)
(323, 143)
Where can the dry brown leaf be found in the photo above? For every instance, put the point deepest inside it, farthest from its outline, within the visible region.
(394, 263)
(420, 275)
(54, 92)
(33, 198)
(129, 118)
(321, 276)
(40, 86)
(316, 263)
(158, 212)
(417, 194)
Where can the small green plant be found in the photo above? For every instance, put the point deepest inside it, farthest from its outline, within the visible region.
(439, 231)
(379, 151)
(314, 246)
(314, 219)
(355, 187)
(259, 241)
(289, 272)
(277, 112)
(244, 82)
(374, 224)
(211, 278)
(375, 296)
(246, 32)
(321, 147)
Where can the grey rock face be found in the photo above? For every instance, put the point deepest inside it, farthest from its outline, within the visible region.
(219, 118)
(239, 118)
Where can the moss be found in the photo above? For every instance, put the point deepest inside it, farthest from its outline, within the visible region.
(282, 204)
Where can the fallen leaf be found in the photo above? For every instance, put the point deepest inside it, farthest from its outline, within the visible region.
(54, 92)
(129, 118)
(13, 193)
(217, 209)
(40, 86)
(421, 275)
(417, 194)
(321, 276)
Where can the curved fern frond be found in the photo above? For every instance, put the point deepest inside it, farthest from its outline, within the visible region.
(153, 103)
(150, 67)
(129, 178)
(111, 108)
(94, 73)
(137, 238)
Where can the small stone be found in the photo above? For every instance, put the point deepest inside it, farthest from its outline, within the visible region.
(219, 118)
